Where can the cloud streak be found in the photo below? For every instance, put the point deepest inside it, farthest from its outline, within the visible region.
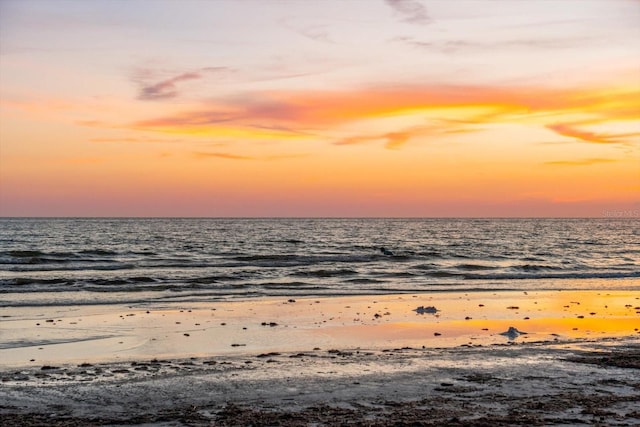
(569, 130)
(314, 32)
(583, 162)
(229, 156)
(392, 139)
(411, 11)
(395, 139)
(168, 88)
(469, 46)
(135, 139)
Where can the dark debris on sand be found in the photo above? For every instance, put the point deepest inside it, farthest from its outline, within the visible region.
(185, 416)
(619, 359)
(399, 414)
(604, 395)
(454, 411)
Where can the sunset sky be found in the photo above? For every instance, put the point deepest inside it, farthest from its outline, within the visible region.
(319, 108)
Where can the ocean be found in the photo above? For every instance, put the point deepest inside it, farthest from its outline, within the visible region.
(78, 261)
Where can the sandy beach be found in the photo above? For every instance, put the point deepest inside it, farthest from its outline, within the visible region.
(414, 359)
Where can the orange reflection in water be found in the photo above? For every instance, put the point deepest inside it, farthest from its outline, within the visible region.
(481, 318)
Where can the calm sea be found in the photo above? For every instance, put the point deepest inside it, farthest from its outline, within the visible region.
(101, 261)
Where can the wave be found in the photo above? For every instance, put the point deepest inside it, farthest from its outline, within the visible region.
(168, 280)
(98, 252)
(70, 268)
(293, 241)
(249, 258)
(555, 275)
(213, 279)
(444, 274)
(25, 281)
(535, 267)
(397, 274)
(24, 254)
(324, 273)
(473, 267)
(27, 284)
(37, 257)
(290, 285)
(161, 293)
(364, 280)
(283, 260)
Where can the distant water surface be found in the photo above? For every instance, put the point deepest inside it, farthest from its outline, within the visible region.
(100, 261)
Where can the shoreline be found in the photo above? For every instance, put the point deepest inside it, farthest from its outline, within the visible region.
(34, 336)
(362, 360)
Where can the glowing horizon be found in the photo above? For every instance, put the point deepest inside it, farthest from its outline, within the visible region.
(400, 108)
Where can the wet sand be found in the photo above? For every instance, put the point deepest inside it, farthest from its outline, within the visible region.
(364, 360)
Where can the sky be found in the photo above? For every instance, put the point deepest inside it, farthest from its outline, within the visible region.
(353, 108)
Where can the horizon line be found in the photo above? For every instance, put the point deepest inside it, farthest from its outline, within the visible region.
(633, 214)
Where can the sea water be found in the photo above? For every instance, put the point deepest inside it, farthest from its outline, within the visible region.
(136, 261)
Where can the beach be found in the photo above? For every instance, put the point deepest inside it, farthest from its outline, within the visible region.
(407, 359)
(319, 213)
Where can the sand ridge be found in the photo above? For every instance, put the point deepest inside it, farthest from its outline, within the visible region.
(582, 381)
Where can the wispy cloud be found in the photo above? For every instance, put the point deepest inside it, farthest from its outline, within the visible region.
(583, 162)
(397, 138)
(516, 44)
(204, 155)
(230, 156)
(189, 118)
(315, 32)
(168, 88)
(83, 160)
(570, 130)
(392, 140)
(445, 46)
(411, 11)
(94, 123)
(134, 139)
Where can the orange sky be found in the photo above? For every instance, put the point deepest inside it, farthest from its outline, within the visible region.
(389, 108)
